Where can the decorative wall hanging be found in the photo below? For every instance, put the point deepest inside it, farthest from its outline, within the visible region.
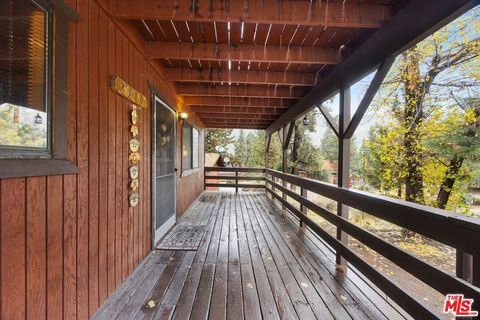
(125, 90)
(133, 199)
(133, 170)
(134, 158)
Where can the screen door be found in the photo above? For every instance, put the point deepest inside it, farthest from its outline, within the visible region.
(164, 171)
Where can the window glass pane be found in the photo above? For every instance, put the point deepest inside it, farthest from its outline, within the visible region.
(186, 147)
(23, 69)
(195, 148)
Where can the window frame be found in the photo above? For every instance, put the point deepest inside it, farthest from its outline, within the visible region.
(193, 169)
(24, 162)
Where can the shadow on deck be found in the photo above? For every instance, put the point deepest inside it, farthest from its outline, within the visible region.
(253, 262)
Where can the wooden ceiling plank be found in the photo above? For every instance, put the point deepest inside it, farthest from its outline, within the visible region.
(229, 110)
(235, 76)
(225, 52)
(237, 101)
(241, 91)
(237, 115)
(323, 13)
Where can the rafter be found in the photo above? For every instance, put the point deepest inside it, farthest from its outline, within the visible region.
(237, 115)
(237, 102)
(232, 121)
(240, 91)
(244, 77)
(316, 13)
(225, 52)
(234, 126)
(228, 110)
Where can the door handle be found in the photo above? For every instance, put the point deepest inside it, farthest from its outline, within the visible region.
(176, 169)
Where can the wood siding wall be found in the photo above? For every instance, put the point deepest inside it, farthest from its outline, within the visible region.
(68, 241)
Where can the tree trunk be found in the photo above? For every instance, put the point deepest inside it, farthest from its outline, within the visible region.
(297, 140)
(413, 118)
(449, 180)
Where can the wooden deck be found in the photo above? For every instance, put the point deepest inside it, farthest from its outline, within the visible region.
(254, 262)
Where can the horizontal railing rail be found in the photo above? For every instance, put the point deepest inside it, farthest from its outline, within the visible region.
(454, 230)
(235, 180)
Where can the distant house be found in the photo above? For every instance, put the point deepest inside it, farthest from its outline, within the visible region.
(213, 159)
(332, 169)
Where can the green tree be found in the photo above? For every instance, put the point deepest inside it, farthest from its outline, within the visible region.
(275, 152)
(303, 154)
(241, 152)
(217, 137)
(329, 146)
(424, 142)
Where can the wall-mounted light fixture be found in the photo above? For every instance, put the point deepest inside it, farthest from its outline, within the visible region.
(183, 116)
(38, 119)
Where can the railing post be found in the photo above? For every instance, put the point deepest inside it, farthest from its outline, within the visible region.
(204, 179)
(236, 181)
(303, 193)
(343, 176)
(464, 266)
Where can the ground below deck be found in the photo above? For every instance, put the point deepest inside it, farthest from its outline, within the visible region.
(253, 263)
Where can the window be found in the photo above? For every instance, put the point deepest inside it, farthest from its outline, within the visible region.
(189, 147)
(33, 88)
(24, 79)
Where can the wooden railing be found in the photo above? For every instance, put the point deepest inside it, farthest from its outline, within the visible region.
(457, 231)
(231, 177)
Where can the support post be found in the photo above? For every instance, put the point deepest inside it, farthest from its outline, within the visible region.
(284, 159)
(343, 166)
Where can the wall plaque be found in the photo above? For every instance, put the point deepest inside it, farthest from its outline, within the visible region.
(125, 90)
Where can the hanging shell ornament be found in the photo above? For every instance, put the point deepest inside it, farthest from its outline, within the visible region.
(134, 185)
(133, 199)
(134, 131)
(134, 145)
(133, 170)
(134, 115)
(134, 157)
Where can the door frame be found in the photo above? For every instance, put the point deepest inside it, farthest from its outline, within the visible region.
(170, 222)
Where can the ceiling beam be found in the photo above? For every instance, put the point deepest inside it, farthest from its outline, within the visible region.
(237, 115)
(238, 102)
(310, 13)
(413, 23)
(244, 77)
(241, 91)
(233, 121)
(247, 53)
(227, 110)
(234, 126)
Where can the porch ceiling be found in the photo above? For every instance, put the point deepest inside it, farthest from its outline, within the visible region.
(261, 56)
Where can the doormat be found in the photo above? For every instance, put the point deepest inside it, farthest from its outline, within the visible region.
(183, 238)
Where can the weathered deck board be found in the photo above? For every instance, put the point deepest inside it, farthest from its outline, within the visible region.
(252, 263)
